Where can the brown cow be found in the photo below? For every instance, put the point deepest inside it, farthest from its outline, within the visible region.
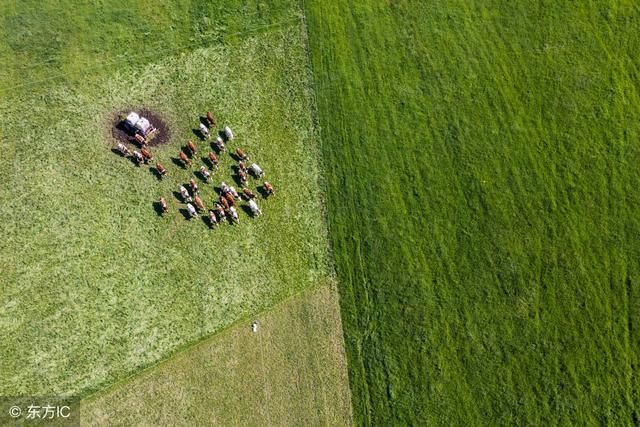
(268, 188)
(194, 186)
(147, 155)
(198, 201)
(242, 176)
(161, 169)
(223, 202)
(213, 221)
(185, 159)
(230, 199)
(248, 194)
(211, 119)
(241, 166)
(192, 148)
(213, 159)
(241, 154)
(163, 205)
(140, 140)
(220, 211)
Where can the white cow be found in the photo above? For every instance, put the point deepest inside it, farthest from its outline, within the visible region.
(192, 211)
(220, 144)
(256, 170)
(122, 149)
(204, 130)
(205, 173)
(234, 214)
(255, 210)
(185, 194)
(234, 193)
(228, 133)
(224, 188)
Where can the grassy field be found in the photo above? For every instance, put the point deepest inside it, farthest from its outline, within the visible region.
(95, 285)
(480, 161)
(291, 372)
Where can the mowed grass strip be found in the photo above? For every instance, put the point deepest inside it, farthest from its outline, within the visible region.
(98, 285)
(292, 371)
(483, 204)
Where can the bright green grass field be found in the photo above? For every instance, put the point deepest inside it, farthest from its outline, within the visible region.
(483, 198)
(95, 285)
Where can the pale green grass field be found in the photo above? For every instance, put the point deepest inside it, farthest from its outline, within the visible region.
(95, 284)
(291, 372)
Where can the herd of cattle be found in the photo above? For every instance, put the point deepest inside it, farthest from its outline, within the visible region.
(224, 208)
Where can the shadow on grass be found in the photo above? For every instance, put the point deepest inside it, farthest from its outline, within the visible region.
(155, 172)
(201, 136)
(176, 161)
(158, 208)
(263, 191)
(185, 213)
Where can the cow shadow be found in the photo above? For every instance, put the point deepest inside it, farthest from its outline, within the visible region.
(178, 196)
(155, 172)
(247, 210)
(263, 191)
(132, 159)
(176, 161)
(185, 213)
(116, 151)
(207, 221)
(158, 208)
(201, 177)
(215, 148)
(204, 121)
(198, 133)
(208, 162)
(223, 135)
(237, 180)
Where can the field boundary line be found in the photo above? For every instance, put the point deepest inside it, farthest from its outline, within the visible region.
(179, 350)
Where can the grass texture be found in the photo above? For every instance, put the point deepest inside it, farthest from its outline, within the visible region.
(95, 285)
(480, 161)
(291, 372)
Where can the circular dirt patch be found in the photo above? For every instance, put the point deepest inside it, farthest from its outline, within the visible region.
(159, 137)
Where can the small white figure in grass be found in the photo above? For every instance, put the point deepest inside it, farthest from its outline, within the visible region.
(204, 130)
(224, 188)
(254, 326)
(192, 211)
(256, 170)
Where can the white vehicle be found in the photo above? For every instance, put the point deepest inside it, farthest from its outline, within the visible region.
(138, 124)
